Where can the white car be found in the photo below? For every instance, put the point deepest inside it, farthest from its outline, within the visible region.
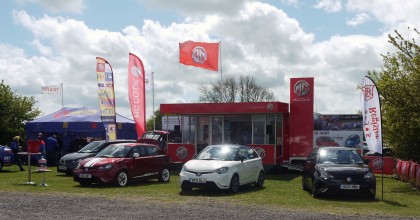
(223, 166)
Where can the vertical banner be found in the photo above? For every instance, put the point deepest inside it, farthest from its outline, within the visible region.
(371, 110)
(199, 54)
(301, 116)
(136, 92)
(106, 97)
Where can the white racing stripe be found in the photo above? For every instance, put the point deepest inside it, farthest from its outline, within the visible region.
(93, 162)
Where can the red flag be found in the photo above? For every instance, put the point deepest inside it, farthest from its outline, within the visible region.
(198, 54)
(136, 92)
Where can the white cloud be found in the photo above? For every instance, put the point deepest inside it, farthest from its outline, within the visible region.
(358, 19)
(56, 6)
(256, 39)
(329, 5)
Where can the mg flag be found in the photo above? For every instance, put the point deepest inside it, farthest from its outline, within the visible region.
(199, 54)
(106, 97)
(371, 109)
(136, 92)
(52, 90)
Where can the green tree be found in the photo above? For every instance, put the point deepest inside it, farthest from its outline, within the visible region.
(229, 90)
(15, 110)
(158, 121)
(398, 84)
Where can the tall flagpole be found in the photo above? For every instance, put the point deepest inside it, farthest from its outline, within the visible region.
(153, 102)
(220, 60)
(62, 96)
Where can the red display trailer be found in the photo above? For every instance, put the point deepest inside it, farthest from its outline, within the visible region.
(262, 125)
(279, 136)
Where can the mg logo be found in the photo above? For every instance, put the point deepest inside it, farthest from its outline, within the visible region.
(199, 55)
(181, 152)
(260, 152)
(368, 92)
(377, 164)
(301, 88)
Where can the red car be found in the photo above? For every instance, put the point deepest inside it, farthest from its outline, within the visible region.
(326, 141)
(122, 163)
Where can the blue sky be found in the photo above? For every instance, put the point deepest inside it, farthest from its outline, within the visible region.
(48, 42)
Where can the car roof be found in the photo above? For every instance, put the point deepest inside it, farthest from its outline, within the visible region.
(115, 141)
(132, 144)
(337, 148)
(228, 145)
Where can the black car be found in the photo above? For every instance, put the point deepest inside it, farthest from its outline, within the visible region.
(70, 161)
(332, 170)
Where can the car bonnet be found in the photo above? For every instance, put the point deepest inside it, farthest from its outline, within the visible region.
(97, 161)
(208, 165)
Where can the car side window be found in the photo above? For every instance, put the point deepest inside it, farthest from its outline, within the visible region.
(312, 156)
(139, 150)
(152, 151)
(243, 152)
(252, 154)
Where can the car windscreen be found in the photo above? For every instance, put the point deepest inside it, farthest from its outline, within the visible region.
(114, 150)
(91, 147)
(217, 153)
(327, 156)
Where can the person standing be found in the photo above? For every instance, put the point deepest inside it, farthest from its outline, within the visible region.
(41, 145)
(51, 147)
(15, 149)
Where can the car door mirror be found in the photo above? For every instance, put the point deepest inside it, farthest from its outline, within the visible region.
(241, 158)
(135, 155)
(367, 161)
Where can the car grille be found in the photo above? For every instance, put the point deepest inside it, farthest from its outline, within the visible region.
(199, 173)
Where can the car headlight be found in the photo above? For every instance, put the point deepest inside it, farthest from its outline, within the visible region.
(369, 175)
(324, 174)
(106, 167)
(221, 170)
(183, 169)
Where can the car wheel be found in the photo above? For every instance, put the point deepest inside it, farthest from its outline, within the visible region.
(165, 175)
(234, 184)
(121, 178)
(186, 187)
(304, 187)
(314, 192)
(261, 179)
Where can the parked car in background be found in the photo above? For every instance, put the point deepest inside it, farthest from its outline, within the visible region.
(332, 170)
(6, 157)
(325, 141)
(122, 163)
(68, 162)
(224, 167)
(386, 151)
(352, 141)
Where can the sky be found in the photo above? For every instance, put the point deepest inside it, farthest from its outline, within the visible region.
(54, 42)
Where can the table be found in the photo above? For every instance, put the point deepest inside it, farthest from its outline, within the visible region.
(29, 165)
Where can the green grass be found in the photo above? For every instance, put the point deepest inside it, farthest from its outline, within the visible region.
(284, 190)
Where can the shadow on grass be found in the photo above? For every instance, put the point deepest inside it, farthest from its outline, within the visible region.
(214, 192)
(129, 185)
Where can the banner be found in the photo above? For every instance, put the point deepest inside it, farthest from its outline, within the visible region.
(52, 90)
(371, 110)
(106, 97)
(198, 54)
(136, 92)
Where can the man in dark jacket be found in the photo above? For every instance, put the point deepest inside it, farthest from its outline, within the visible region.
(51, 147)
(15, 149)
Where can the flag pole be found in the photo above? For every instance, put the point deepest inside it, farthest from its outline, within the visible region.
(220, 60)
(153, 102)
(62, 96)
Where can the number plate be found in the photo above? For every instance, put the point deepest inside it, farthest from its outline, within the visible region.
(62, 167)
(85, 176)
(198, 180)
(348, 186)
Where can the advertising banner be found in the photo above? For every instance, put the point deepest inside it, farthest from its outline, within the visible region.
(181, 153)
(301, 116)
(371, 110)
(106, 97)
(136, 92)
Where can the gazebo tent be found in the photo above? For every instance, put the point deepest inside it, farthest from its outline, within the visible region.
(70, 124)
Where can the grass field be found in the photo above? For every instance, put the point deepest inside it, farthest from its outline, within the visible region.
(284, 189)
